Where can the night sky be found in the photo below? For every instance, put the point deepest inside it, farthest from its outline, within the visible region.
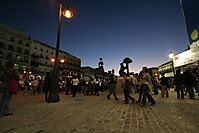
(144, 30)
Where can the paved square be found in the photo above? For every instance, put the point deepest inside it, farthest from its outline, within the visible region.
(97, 114)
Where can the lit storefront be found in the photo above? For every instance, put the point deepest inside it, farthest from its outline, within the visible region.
(188, 58)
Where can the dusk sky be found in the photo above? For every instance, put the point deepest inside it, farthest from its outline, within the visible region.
(144, 30)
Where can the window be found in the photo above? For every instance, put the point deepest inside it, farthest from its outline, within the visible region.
(42, 49)
(41, 56)
(18, 57)
(20, 41)
(27, 45)
(12, 39)
(52, 53)
(1, 45)
(10, 47)
(46, 51)
(9, 56)
(47, 57)
(1, 54)
(26, 59)
(19, 50)
(35, 48)
(27, 52)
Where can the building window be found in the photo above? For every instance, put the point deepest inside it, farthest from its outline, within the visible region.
(19, 50)
(20, 41)
(1, 45)
(26, 59)
(9, 56)
(27, 45)
(18, 57)
(10, 47)
(42, 49)
(35, 48)
(12, 39)
(52, 53)
(41, 56)
(27, 52)
(47, 57)
(1, 54)
(46, 51)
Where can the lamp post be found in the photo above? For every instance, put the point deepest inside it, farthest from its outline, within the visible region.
(54, 90)
(185, 20)
(171, 55)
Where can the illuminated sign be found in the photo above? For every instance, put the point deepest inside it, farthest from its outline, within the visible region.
(186, 57)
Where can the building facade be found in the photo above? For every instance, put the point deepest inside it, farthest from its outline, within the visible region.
(188, 59)
(14, 45)
(32, 55)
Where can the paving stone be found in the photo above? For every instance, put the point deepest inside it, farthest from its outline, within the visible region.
(91, 114)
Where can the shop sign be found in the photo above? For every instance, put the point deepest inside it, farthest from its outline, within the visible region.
(186, 57)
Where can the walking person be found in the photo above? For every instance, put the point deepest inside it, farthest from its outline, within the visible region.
(75, 84)
(164, 85)
(126, 85)
(155, 85)
(113, 82)
(147, 87)
(8, 88)
(68, 85)
(35, 84)
(189, 83)
(47, 85)
(96, 82)
(180, 84)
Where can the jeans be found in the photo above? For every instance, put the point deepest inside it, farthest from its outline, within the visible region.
(112, 90)
(147, 95)
(180, 90)
(165, 91)
(5, 102)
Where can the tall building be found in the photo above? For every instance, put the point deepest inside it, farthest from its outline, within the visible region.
(32, 55)
(14, 45)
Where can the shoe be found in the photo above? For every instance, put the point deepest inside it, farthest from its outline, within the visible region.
(133, 101)
(7, 114)
(137, 102)
(117, 99)
(152, 103)
(108, 97)
(142, 105)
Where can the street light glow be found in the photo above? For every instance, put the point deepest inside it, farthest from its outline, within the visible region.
(171, 55)
(52, 60)
(62, 60)
(68, 13)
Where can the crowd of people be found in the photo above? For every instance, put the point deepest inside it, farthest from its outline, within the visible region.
(145, 84)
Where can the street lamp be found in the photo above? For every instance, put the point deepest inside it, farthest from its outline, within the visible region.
(171, 56)
(54, 90)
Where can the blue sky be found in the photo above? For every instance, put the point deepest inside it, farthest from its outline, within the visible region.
(144, 30)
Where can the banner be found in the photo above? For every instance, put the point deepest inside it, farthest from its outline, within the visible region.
(190, 9)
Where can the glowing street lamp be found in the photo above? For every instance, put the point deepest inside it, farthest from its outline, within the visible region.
(52, 60)
(62, 60)
(68, 13)
(171, 55)
(54, 90)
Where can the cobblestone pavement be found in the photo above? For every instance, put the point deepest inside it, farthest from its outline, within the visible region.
(97, 114)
